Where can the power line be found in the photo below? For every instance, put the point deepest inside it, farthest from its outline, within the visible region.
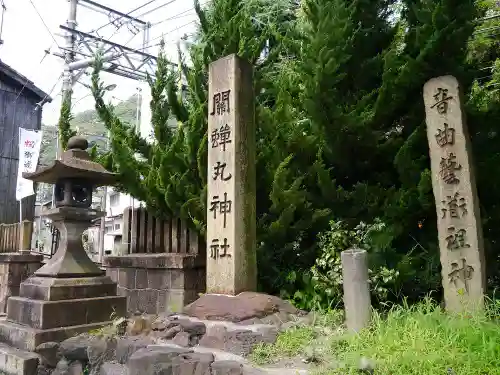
(43, 21)
(158, 7)
(178, 15)
(161, 36)
(140, 16)
(127, 14)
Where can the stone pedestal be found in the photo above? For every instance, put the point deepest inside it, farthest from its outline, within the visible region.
(14, 269)
(67, 296)
(52, 309)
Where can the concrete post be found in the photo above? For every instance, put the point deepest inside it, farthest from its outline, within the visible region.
(357, 303)
(25, 233)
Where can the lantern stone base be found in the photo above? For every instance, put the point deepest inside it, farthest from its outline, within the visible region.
(54, 309)
(27, 338)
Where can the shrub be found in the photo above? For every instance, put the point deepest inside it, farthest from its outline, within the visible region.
(323, 282)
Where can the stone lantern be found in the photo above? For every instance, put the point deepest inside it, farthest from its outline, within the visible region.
(70, 294)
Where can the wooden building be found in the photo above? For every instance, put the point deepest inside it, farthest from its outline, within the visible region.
(20, 106)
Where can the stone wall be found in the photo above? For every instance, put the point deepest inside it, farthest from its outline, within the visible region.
(14, 269)
(156, 283)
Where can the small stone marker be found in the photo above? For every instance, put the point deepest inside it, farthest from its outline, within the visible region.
(231, 222)
(457, 204)
(357, 301)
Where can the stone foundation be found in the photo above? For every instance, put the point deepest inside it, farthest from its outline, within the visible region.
(14, 269)
(157, 283)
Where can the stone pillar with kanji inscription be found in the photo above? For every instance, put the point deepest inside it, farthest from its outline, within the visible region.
(457, 204)
(231, 222)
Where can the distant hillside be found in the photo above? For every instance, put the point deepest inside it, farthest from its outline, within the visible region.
(88, 125)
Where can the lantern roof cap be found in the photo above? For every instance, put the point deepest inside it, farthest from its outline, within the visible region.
(75, 163)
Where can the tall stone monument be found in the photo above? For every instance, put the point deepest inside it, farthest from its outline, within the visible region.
(231, 247)
(69, 294)
(457, 204)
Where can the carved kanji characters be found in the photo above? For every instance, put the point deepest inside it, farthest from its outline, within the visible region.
(448, 168)
(445, 136)
(218, 250)
(441, 97)
(454, 206)
(221, 137)
(221, 206)
(461, 271)
(219, 170)
(220, 104)
(457, 239)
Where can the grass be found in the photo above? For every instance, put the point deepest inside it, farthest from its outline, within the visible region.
(420, 339)
(424, 340)
(288, 344)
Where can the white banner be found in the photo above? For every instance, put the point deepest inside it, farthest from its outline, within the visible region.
(29, 152)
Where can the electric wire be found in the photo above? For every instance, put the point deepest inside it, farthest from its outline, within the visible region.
(128, 22)
(126, 14)
(44, 23)
(178, 15)
(155, 9)
(163, 35)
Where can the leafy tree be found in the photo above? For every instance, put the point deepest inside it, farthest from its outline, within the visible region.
(64, 124)
(341, 128)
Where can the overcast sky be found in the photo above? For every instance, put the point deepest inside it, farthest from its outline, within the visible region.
(25, 39)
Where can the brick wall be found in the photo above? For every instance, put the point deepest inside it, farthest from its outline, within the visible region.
(156, 283)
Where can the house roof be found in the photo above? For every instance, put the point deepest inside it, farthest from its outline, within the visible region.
(22, 81)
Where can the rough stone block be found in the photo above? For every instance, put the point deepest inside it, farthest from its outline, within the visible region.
(110, 368)
(227, 368)
(126, 346)
(193, 364)
(17, 362)
(68, 368)
(182, 339)
(154, 360)
(75, 348)
(102, 349)
(49, 353)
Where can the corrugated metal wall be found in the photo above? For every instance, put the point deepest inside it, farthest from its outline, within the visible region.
(15, 112)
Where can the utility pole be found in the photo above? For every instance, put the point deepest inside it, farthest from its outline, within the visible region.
(118, 59)
(69, 57)
(4, 9)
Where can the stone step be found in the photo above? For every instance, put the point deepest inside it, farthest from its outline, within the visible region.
(17, 362)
